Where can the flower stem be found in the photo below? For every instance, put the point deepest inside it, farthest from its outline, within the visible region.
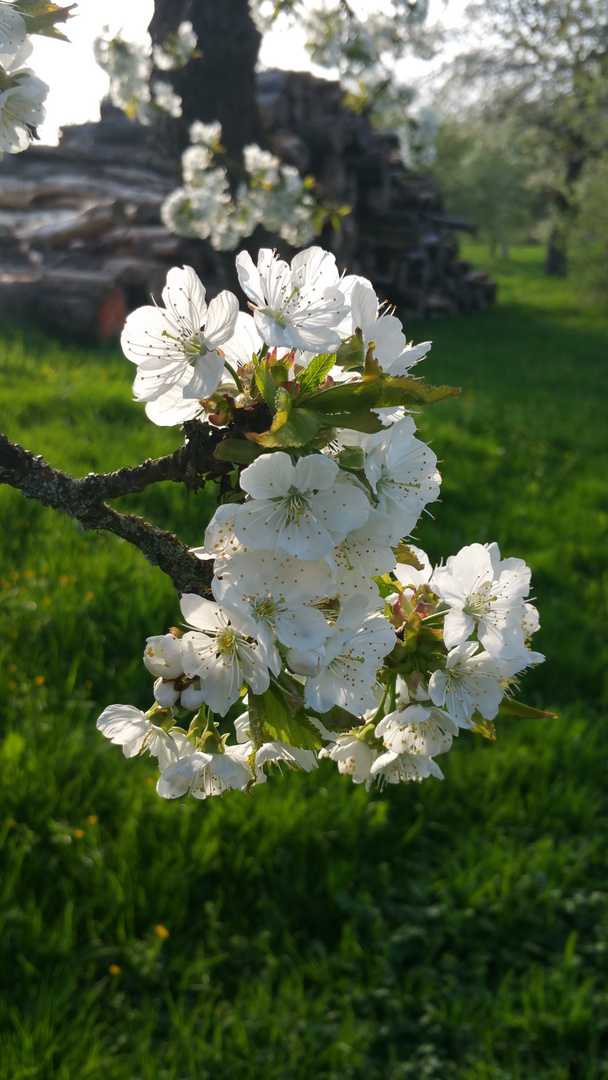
(234, 376)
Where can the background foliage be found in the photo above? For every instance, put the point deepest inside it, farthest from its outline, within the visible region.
(455, 930)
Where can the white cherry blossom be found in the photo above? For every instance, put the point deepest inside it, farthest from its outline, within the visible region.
(245, 341)
(21, 102)
(203, 774)
(410, 576)
(393, 768)
(276, 597)
(353, 653)
(176, 347)
(363, 554)
(299, 509)
(354, 758)
(165, 693)
(406, 359)
(134, 731)
(163, 656)
(485, 594)
(277, 753)
(220, 539)
(382, 328)
(402, 471)
(299, 307)
(220, 653)
(13, 32)
(471, 681)
(417, 729)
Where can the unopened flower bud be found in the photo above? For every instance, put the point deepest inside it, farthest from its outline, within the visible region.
(165, 693)
(192, 696)
(305, 663)
(163, 656)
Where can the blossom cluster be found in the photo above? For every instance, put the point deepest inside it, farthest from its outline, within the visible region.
(273, 193)
(325, 632)
(129, 66)
(22, 93)
(362, 49)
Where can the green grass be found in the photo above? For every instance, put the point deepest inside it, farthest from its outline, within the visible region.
(454, 931)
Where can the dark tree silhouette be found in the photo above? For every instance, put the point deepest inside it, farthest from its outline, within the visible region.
(219, 84)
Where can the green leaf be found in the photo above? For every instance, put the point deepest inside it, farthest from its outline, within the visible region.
(483, 727)
(41, 17)
(338, 719)
(509, 707)
(348, 397)
(404, 554)
(356, 421)
(281, 723)
(316, 372)
(296, 428)
(266, 385)
(406, 390)
(239, 451)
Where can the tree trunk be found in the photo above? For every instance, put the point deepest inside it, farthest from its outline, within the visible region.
(555, 259)
(220, 84)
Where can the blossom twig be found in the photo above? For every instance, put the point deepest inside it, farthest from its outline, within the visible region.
(83, 498)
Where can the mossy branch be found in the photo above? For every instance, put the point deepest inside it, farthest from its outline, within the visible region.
(84, 498)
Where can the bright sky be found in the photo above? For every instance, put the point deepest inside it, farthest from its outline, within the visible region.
(77, 83)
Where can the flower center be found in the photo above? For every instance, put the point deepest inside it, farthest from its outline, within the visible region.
(194, 346)
(226, 642)
(295, 504)
(479, 603)
(264, 608)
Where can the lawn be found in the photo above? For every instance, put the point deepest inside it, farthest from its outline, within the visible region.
(453, 931)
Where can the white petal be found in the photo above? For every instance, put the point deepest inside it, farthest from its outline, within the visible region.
(221, 318)
(184, 296)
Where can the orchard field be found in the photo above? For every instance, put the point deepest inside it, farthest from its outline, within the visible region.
(452, 930)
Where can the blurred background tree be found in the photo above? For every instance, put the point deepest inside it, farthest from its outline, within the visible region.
(541, 68)
(485, 176)
(362, 47)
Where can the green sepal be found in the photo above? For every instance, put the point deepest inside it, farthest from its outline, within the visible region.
(283, 724)
(351, 457)
(279, 373)
(238, 451)
(351, 353)
(412, 627)
(517, 709)
(316, 373)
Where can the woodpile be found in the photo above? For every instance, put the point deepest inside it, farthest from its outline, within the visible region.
(397, 234)
(81, 242)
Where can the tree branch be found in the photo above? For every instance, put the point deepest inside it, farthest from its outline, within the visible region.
(83, 498)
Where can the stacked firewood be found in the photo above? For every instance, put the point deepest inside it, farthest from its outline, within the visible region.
(82, 244)
(397, 234)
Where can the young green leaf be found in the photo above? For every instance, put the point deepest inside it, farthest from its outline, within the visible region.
(278, 722)
(316, 373)
(266, 385)
(509, 707)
